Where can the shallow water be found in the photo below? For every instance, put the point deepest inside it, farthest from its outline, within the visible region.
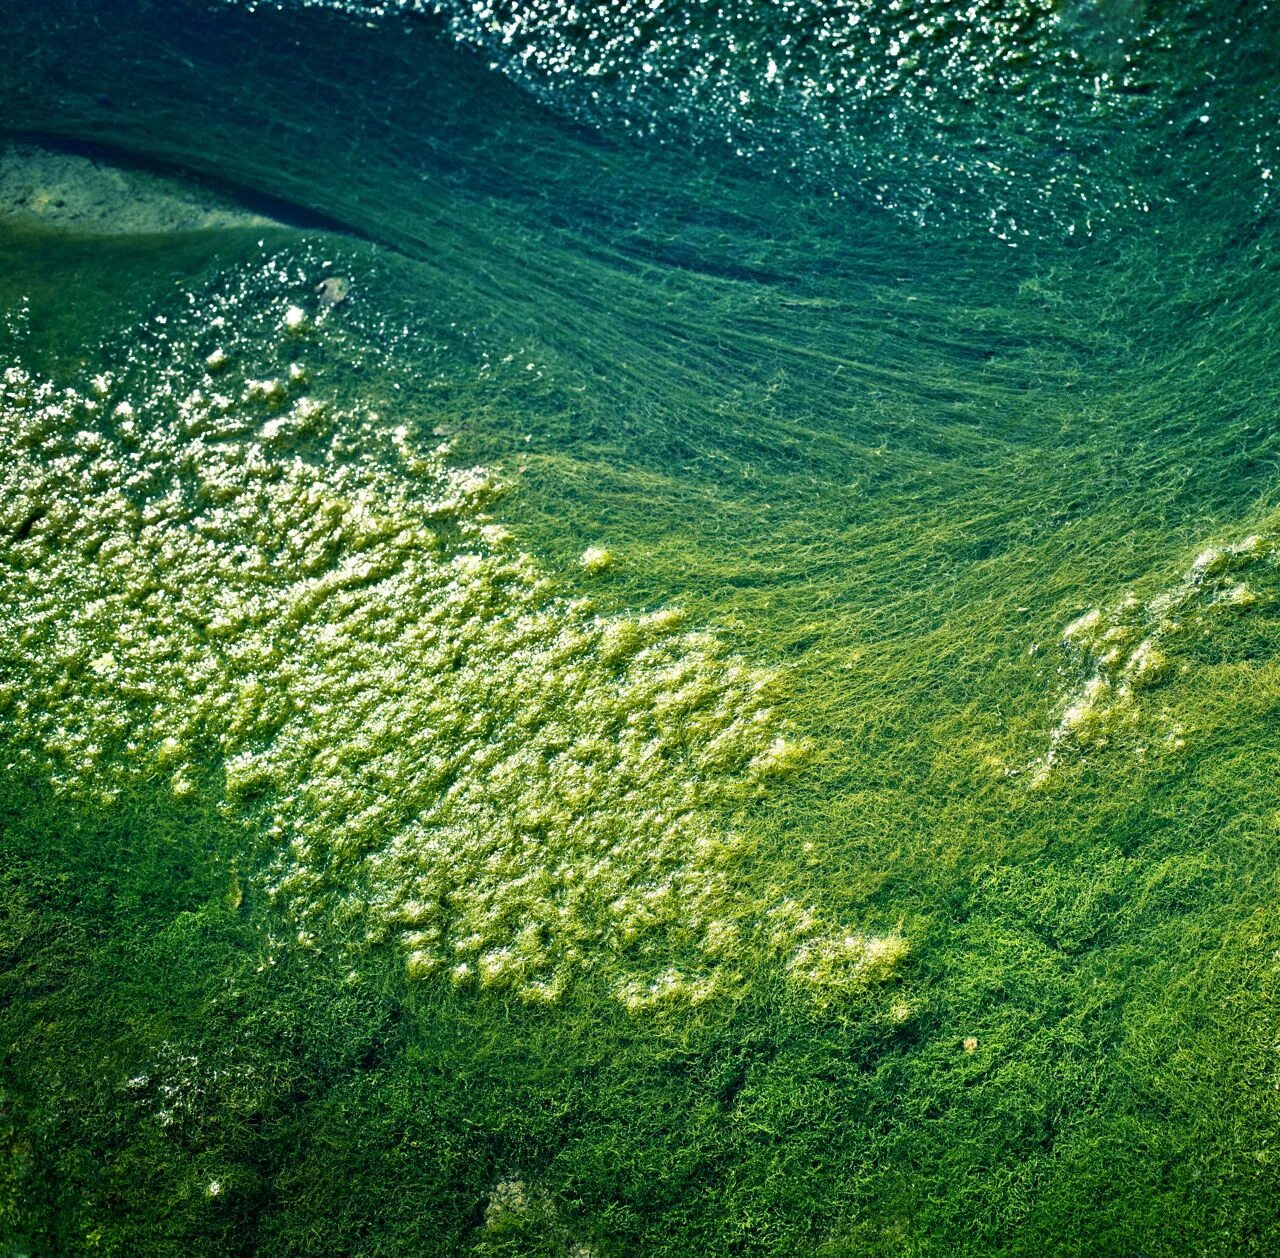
(655, 658)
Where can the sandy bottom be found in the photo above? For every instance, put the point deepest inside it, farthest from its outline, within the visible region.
(62, 189)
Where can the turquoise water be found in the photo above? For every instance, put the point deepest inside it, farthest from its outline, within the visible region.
(672, 652)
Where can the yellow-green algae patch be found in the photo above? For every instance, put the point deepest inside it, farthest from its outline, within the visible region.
(445, 750)
(1119, 652)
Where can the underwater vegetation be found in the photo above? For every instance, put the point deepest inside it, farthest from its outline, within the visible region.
(1127, 649)
(569, 692)
(221, 568)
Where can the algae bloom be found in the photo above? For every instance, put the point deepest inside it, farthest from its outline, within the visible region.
(447, 748)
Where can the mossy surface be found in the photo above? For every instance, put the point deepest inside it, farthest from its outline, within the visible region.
(973, 552)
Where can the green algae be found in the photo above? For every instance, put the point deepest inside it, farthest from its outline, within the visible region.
(882, 478)
(1134, 646)
(517, 788)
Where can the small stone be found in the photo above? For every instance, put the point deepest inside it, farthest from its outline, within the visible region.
(333, 289)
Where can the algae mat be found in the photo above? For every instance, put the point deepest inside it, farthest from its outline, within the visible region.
(700, 680)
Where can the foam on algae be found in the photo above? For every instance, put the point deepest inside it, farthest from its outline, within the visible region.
(1116, 654)
(207, 558)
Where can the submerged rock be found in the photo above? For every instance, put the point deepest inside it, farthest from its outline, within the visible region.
(333, 290)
